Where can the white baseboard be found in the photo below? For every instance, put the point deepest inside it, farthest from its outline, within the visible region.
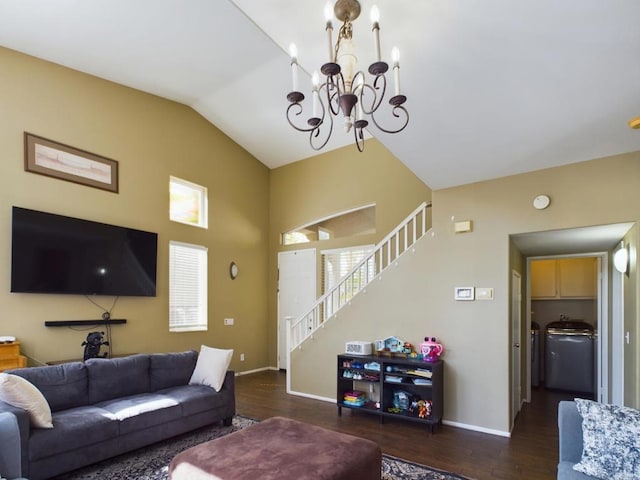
(247, 372)
(314, 397)
(474, 428)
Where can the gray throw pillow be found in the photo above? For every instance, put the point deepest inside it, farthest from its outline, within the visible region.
(611, 438)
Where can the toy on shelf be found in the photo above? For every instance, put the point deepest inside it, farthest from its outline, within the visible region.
(394, 347)
(431, 349)
(421, 407)
(92, 345)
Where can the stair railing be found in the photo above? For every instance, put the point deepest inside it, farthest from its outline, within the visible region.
(410, 230)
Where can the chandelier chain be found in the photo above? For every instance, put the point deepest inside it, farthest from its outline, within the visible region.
(345, 32)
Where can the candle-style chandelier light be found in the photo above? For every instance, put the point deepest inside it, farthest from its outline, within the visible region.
(344, 90)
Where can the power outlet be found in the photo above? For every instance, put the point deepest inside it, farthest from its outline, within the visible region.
(242, 357)
(228, 321)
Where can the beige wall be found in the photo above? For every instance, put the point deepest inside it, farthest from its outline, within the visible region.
(249, 207)
(151, 138)
(631, 296)
(476, 334)
(330, 183)
(502, 207)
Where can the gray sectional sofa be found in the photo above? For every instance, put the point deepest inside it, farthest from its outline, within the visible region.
(570, 441)
(102, 408)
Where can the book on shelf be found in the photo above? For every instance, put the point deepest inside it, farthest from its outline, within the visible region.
(422, 381)
(421, 372)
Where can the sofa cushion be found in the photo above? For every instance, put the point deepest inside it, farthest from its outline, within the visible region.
(171, 369)
(117, 377)
(196, 398)
(611, 437)
(566, 472)
(72, 429)
(64, 386)
(21, 393)
(211, 367)
(142, 411)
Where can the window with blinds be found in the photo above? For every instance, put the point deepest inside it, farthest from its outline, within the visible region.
(338, 263)
(187, 287)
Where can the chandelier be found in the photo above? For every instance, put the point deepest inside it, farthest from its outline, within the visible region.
(344, 90)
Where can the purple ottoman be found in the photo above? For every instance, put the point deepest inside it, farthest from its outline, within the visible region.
(280, 448)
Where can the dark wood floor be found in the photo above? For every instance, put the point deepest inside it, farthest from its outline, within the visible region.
(531, 453)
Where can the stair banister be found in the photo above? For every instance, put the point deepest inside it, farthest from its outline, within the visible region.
(328, 304)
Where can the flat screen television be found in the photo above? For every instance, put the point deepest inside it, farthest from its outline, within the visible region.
(64, 255)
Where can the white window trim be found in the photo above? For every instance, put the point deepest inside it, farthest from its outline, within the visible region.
(203, 217)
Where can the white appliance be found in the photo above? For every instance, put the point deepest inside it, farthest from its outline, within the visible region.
(357, 347)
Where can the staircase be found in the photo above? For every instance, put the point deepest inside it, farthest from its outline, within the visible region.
(383, 255)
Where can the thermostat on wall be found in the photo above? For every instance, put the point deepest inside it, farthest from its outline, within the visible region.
(357, 347)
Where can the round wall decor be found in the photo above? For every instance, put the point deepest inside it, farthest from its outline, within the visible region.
(233, 270)
(541, 202)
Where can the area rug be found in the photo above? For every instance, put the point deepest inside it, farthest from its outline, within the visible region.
(152, 462)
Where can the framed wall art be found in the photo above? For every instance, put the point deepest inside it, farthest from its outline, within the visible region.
(53, 159)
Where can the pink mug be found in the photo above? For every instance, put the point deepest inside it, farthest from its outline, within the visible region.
(431, 349)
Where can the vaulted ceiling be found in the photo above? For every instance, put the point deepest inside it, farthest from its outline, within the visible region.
(494, 87)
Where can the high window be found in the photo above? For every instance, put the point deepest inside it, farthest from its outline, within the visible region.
(358, 221)
(187, 202)
(187, 287)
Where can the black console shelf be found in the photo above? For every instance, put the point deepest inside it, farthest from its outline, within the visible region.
(391, 375)
(79, 323)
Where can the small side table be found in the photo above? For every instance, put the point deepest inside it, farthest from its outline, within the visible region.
(10, 356)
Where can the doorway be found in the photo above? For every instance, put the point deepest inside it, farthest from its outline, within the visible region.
(570, 292)
(296, 293)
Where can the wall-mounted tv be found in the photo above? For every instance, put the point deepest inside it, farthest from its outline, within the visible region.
(57, 254)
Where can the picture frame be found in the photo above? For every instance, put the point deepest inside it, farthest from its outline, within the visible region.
(64, 162)
(464, 293)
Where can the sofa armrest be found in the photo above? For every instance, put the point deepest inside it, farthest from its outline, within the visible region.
(570, 432)
(229, 381)
(24, 426)
(10, 459)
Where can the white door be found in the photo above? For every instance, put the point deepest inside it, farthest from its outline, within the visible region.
(296, 292)
(516, 341)
(602, 357)
(617, 338)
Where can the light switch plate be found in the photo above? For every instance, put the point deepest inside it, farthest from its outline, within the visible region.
(463, 227)
(228, 321)
(484, 293)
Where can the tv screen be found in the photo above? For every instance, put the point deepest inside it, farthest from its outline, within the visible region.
(57, 254)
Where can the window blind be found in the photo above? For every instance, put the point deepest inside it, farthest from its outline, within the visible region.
(338, 263)
(187, 287)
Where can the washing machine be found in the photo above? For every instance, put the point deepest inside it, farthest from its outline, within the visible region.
(535, 354)
(570, 356)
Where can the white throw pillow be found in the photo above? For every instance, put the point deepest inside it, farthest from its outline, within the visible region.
(611, 437)
(21, 393)
(211, 367)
